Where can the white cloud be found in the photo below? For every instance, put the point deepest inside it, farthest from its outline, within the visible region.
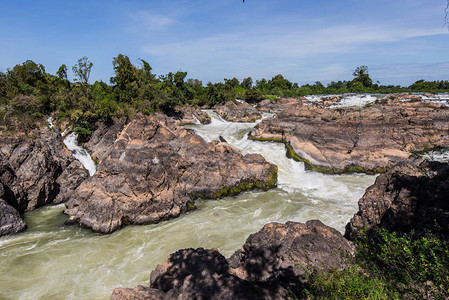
(148, 21)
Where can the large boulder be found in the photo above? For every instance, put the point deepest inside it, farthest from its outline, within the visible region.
(370, 139)
(284, 253)
(404, 199)
(36, 162)
(31, 167)
(10, 221)
(271, 265)
(156, 170)
(197, 274)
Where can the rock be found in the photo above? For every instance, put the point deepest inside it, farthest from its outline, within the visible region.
(204, 274)
(102, 139)
(277, 106)
(156, 170)
(36, 163)
(282, 253)
(371, 139)
(271, 265)
(33, 170)
(10, 221)
(140, 292)
(238, 112)
(404, 199)
(191, 116)
(69, 180)
(11, 190)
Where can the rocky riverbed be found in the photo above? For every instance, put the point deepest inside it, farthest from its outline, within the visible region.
(369, 139)
(156, 170)
(151, 169)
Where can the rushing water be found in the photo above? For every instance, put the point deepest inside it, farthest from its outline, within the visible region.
(80, 153)
(53, 261)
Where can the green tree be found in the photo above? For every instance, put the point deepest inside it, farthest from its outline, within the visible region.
(125, 79)
(280, 82)
(247, 83)
(81, 71)
(361, 75)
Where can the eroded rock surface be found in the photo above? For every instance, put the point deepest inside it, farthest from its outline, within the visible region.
(369, 139)
(269, 266)
(192, 116)
(10, 221)
(30, 171)
(238, 112)
(277, 106)
(404, 199)
(155, 171)
(283, 252)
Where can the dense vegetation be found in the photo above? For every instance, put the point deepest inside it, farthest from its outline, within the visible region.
(388, 265)
(28, 92)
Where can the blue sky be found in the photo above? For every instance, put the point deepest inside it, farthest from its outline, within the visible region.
(401, 41)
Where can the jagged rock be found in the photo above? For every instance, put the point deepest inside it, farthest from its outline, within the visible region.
(370, 139)
(69, 180)
(138, 293)
(10, 221)
(36, 163)
(276, 106)
(102, 139)
(283, 253)
(31, 168)
(404, 199)
(198, 274)
(271, 265)
(189, 114)
(156, 170)
(238, 112)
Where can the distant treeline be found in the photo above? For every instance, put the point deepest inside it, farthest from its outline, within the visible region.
(28, 92)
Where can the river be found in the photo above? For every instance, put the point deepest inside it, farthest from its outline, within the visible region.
(53, 261)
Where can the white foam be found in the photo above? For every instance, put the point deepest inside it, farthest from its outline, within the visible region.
(80, 153)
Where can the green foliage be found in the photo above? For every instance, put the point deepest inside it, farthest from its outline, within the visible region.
(387, 265)
(81, 71)
(253, 95)
(135, 88)
(247, 83)
(83, 129)
(279, 82)
(361, 76)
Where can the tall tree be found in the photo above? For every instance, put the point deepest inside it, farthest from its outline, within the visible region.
(81, 71)
(361, 75)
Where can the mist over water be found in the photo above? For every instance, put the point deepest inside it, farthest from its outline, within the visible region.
(54, 261)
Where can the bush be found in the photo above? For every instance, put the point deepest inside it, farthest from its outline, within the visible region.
(388, 265)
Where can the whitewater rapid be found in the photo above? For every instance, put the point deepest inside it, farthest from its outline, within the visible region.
(53, 261)
(81, 154)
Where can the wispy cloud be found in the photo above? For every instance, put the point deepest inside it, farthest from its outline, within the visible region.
(302, 43)
(149, 21)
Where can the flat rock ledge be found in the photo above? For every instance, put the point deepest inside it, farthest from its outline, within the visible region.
(371, 139)
(270, 265)
(155, 170)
